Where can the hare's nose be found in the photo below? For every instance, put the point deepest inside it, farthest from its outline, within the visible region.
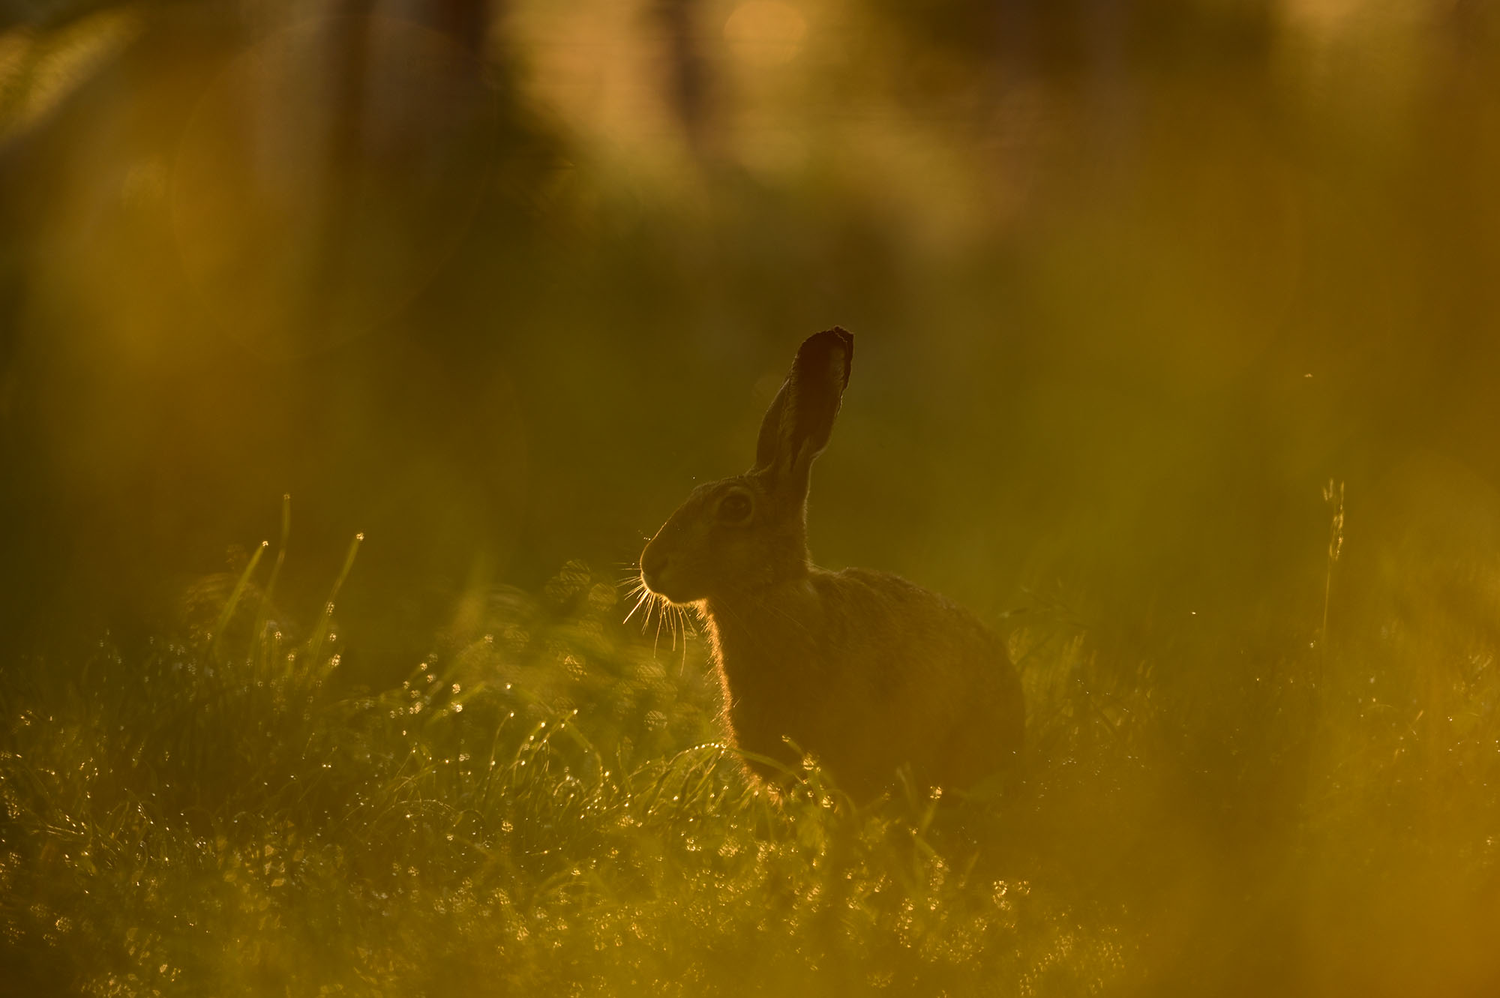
(653, 564)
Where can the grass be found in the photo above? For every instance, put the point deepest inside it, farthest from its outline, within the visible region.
(542, 808)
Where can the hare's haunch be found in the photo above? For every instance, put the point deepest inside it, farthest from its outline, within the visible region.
(862, 669)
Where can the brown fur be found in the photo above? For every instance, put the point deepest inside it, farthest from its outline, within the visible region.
(862, 669)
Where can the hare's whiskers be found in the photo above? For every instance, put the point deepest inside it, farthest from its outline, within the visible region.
(645, 597)
(685, 619)
(655, 642)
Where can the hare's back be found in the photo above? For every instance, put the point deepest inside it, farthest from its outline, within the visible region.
(900, 620)
(931, 664)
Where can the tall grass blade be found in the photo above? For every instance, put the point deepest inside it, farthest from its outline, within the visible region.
(227, 613)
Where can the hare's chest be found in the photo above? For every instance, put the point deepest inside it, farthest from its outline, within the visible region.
(795, 703)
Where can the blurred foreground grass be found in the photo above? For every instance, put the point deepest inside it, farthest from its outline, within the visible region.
(540, 808)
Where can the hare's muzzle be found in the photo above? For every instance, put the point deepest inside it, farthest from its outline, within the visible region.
(654, 564)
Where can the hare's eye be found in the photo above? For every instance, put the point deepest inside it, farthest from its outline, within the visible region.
(734, 507)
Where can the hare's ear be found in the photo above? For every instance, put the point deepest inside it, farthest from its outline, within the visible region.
(800, 420)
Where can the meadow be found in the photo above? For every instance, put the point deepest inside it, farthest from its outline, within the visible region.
(543, 806)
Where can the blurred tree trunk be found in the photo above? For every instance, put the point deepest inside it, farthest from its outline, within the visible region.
(688, 78)
(467, 22)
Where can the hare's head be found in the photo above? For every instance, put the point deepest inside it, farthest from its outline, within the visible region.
(743, 533)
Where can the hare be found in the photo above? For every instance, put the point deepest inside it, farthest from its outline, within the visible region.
(861, 669)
